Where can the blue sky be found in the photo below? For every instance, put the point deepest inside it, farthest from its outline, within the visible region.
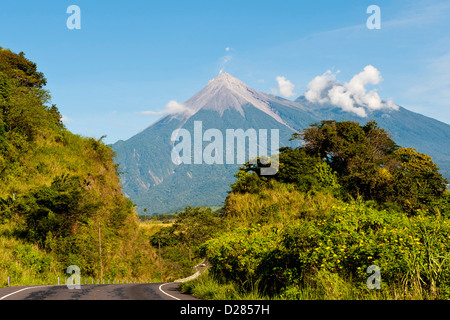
(134, 56)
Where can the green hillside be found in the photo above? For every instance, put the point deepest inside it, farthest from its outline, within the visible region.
(60, 198)
(313, 230)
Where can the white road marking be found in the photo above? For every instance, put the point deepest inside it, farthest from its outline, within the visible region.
(10, 294)
(166, 292)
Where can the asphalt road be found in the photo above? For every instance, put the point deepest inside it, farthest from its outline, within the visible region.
(141, 291)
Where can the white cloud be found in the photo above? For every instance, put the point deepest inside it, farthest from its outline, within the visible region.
(317, 87)
(147, 112)
(172, 107)
(342, 98)
(356, 87)
(285, 87)
(351, 96)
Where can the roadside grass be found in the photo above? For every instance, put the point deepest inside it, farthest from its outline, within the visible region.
(326, 286)
(25, 264)
(207, 288)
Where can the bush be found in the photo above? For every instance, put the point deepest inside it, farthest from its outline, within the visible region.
(55, 210)
(412, 252)
(32, 259)
(237, 256)
(417, 181)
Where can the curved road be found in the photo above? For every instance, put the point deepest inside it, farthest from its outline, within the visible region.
(135, 291)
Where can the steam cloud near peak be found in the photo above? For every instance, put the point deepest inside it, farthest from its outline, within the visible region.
(172, 107)
(352, 96)
(285, 87)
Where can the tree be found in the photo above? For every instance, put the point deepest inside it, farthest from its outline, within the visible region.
(369, 164)
(296, 166)
(196, 225)
(248, 180)
(23, 100)
(193, 226)
(304, 170)
(56, 210)
(358, 154)
(417, 181)
(17, 67)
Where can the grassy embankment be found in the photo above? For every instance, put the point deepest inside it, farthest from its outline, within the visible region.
(281, 243)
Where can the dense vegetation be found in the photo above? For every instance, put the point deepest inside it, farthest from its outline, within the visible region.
(348, 199)
(180, 242)
(60, 198)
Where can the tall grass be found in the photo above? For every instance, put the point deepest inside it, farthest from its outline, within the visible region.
(324, 286)
(208, 288)
(278, 204)
(25, 264)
